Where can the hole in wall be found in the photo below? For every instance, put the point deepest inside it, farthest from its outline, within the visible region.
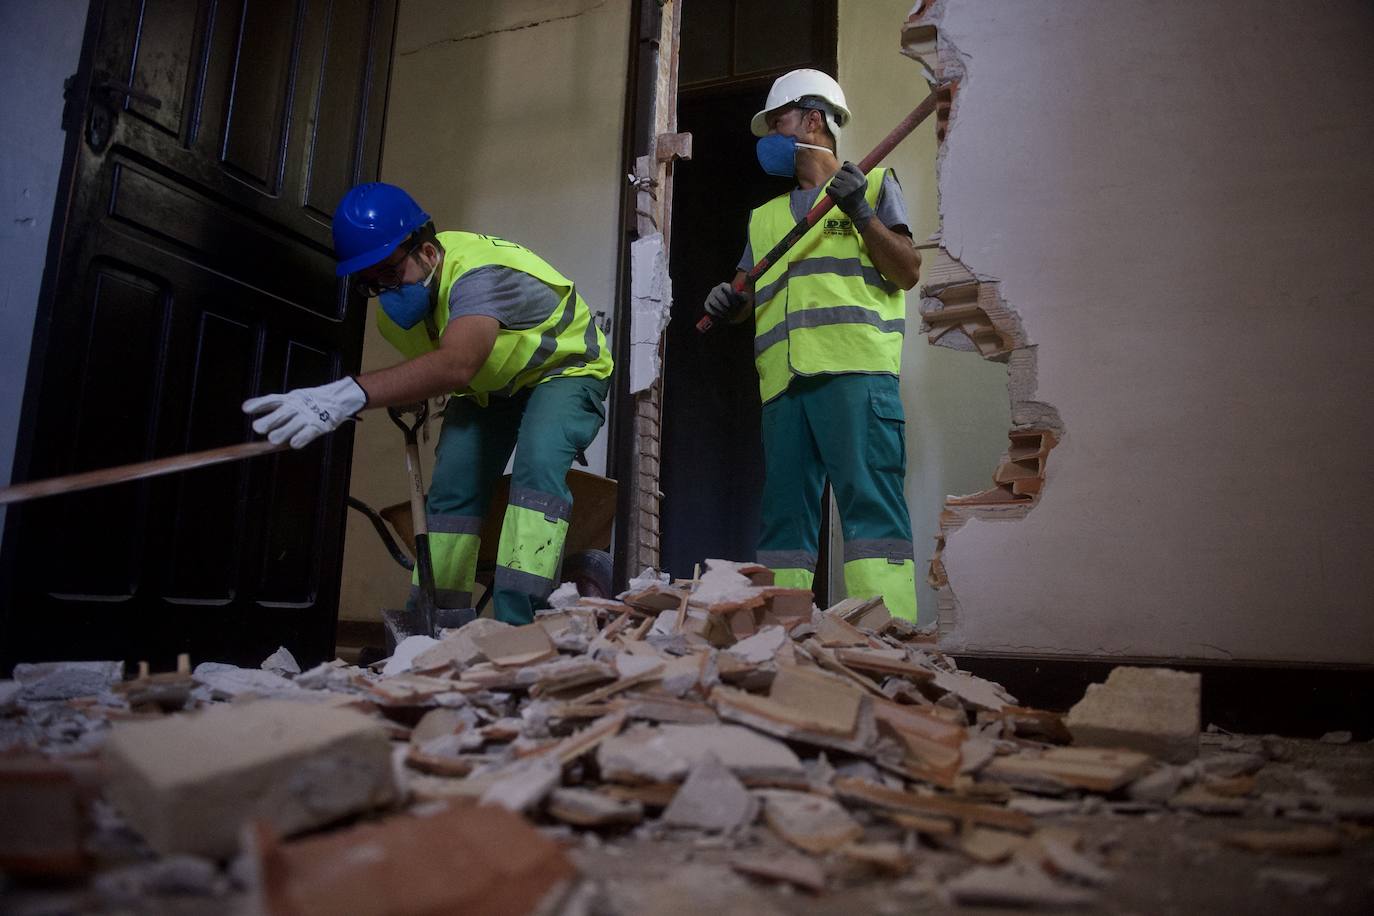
(964, 312)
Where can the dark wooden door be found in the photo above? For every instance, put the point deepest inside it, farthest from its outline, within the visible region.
(190, 268)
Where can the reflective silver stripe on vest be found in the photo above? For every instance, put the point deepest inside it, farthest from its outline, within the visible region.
(819, 317)
(788, 559)
(453, 524)
(554, 508)
(526, 583)
(839, 267)
(548, 342)
(894, 550)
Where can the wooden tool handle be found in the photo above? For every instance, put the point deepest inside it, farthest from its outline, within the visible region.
(89, 480)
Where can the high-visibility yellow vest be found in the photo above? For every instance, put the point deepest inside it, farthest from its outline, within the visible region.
(567, 344)
(824, 308)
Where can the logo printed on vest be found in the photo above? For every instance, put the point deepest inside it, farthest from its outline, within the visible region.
(838, 226)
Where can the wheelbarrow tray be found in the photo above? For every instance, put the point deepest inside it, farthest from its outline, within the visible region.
(589, 528)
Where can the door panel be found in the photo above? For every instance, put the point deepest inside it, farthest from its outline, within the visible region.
(193, 270)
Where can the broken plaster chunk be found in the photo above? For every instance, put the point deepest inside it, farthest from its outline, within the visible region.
(188, 783)
(522, 785)
(459, 647)
(1153, 710)
(587, 808)
(403, 659)
(761, 647)
(516, 646)
(669, 752)
(231, 681)
(66, 680)
(281, 662)
(798, 871)
(565, 596)
(812, 823)
(1159, 786)
(711, 799)
(974, 691)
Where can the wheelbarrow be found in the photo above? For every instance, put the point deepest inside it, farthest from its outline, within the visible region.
(586, 560)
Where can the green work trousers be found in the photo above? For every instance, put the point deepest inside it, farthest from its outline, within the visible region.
(849, 428)
(546, 426)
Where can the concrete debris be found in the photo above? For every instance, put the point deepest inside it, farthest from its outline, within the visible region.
(587, 808)
(281, 662)
(66, 680)
(10, 692)
(178, 875)
(812, 823)
(680, 712)
(669, 752)
(798, 871)
(889, 860)
(1064, 768)
(228, 682)
(1200, 799)
(761, 647)
(516, 646)
(1159, 785)
(523, 784)
(188, 783)
(711, 799)
(564, 596)
(1062, 859)
(458, 649)
(403, 659)
(1152, 710)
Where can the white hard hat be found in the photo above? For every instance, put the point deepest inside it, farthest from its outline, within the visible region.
(791, 88)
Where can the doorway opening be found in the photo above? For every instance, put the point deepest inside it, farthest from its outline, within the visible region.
(730, 53)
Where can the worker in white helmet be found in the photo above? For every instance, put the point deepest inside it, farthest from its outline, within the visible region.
(828, 324)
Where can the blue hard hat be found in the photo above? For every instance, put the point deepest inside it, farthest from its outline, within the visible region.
(370, 222)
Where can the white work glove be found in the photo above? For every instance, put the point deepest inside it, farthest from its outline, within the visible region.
(722, 300)
(304, 414)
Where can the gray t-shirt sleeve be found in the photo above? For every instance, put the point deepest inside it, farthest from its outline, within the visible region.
(891, 210)
(511, 296)
(891, 207)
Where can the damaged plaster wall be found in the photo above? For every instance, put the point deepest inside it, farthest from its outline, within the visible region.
(505, 119)
(956, 406)
(1176, 199)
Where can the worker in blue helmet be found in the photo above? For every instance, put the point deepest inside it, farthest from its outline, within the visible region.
(494, 325)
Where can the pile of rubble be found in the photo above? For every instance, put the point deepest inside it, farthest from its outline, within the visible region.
(822, 748)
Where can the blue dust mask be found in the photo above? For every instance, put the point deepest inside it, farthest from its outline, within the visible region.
(777, 154)
(407, 305)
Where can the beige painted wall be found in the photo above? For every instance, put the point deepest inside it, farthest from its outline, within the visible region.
(503, 118)
(1177, 198)
(957, 407)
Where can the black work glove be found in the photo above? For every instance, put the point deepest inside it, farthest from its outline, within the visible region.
(847, 189)
(722, 301)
